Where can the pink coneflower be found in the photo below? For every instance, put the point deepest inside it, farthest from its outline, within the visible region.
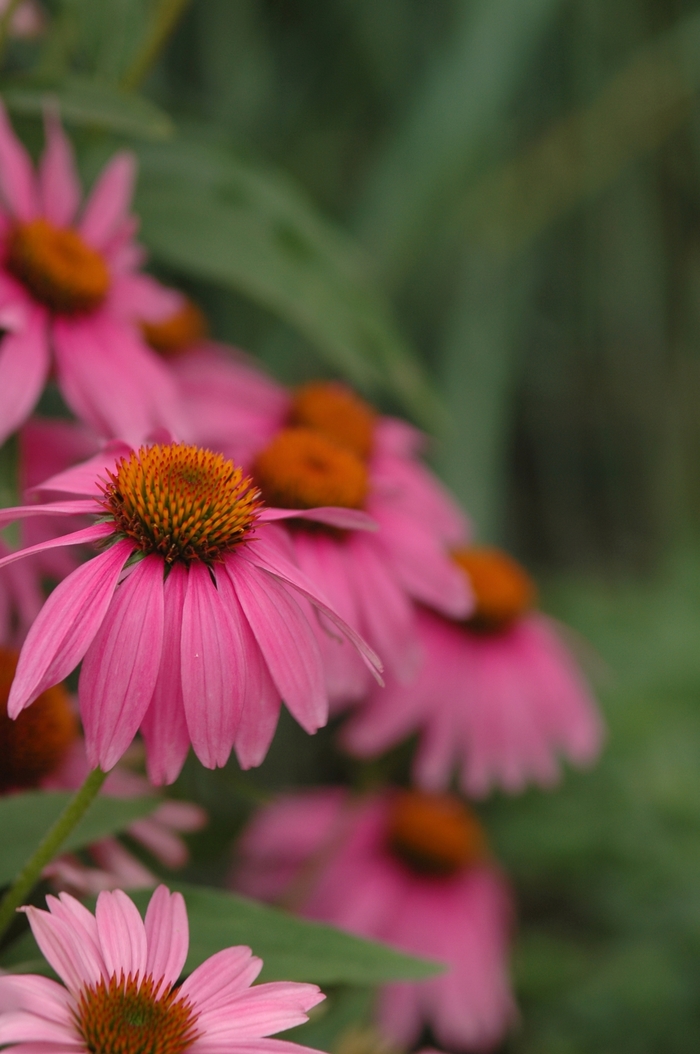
(71, 294)
(121, 993)
(404, 867)
(193, 623)
(498, 696)
(325, 445)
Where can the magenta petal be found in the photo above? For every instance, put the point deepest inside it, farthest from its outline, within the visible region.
(213, 669)
(167, 934)
(16, 174)
(65, 626)
(140, 296)
(82, 537)
(108, 204)
(121, 933)
(344, 519)
(85, 477)
(24, 367)
(121, 665)
(58, 179)
(164, 728)
(60, 508)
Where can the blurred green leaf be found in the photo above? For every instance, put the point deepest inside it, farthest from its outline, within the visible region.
(25, 819)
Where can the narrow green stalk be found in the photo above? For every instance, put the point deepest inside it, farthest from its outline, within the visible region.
(6, 22)
(166, 18)
(50, 846)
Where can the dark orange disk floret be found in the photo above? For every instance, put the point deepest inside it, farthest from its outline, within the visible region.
(434, 834)
(132, 1016)
(57, 267)
(34, 745)
(181, 502)
(302, 469)
(338, 413)
(504, 591)
(178, 332)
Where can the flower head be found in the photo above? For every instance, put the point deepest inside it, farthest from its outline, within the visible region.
(71, 294)
(193, 623)
(120, 991)
(498, 696)
(405, 867)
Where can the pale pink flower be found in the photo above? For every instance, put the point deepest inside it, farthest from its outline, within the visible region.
(192, 625)
(498, 697)
(29, 19)
(408, 869)
(71, 292)
(120, 987)
(373, 580)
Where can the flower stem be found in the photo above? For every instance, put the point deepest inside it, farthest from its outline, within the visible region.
(49, 846)
(164, 23)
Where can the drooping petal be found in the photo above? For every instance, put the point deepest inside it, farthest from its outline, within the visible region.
(122, 934)
(17, 181)
(120, 668)
(167, 934)
(213, 669)
(58, 179)
(343, 519)
(108, 204)
(24, 367)
(85, 477)
(82, 537)
(79, 507)
(66, 626)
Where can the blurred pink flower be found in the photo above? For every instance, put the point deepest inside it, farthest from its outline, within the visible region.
(193, 624)
(121, 991)
(29, 19)
(497, 697)
(406, 868)
(71, 292)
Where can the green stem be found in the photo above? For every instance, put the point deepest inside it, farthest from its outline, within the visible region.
(6, 22)
(169, 11)
(49, 846)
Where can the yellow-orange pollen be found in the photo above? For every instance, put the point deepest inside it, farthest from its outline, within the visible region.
(181, 502)
(434, 834)
(178, 332)
(128, 1016)
(35, 744)
(57, 267)
(503, 589)
(302, 469)
(337, 413)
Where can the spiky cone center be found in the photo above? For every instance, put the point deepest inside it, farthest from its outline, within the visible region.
(302, 469)
(175, 334)
(503, 590)
(181, 502)
(35, 743)
(58, 268)
(337, 413)
(434, 834)
(132, 1016)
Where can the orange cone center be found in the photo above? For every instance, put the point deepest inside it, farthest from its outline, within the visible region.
(128, 1016)
(177, 333)
(434, 834)
(302, 469)
(503, 589)
(57, 267)
(337, 413)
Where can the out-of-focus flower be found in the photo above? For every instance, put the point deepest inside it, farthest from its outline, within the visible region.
(498, 696)
(29, 19)
(193, 624)
(71, 293)
(404, 867)
(324, 445)
(121, 994)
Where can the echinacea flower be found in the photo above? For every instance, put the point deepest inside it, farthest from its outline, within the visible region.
(71, 293)
(192, 624)
(498, 697)
(120, 991)
(404, 867)
(324, 445)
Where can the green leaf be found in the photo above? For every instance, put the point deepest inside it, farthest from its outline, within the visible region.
(93, 104)
(25, 819)
(208, 214)
(291, 948)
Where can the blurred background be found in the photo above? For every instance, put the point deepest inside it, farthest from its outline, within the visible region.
(485, 214)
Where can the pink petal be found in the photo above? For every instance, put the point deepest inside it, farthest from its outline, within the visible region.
(61, 508)
(87, 534)
(21, 1027)
(345, 519)
(285, 639)
(35, 994)
(24, 367)
(48, 445)
(17, 180)
(122, 935)
(213, 669)
(58, 179)
(141, 297)
(76, 915)
(74, 960)
(120, 667)
(168, 848)
(65, 626)
(109, 201)
(167, 934)
(164, 728)
(221, 978)
(85, 477)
